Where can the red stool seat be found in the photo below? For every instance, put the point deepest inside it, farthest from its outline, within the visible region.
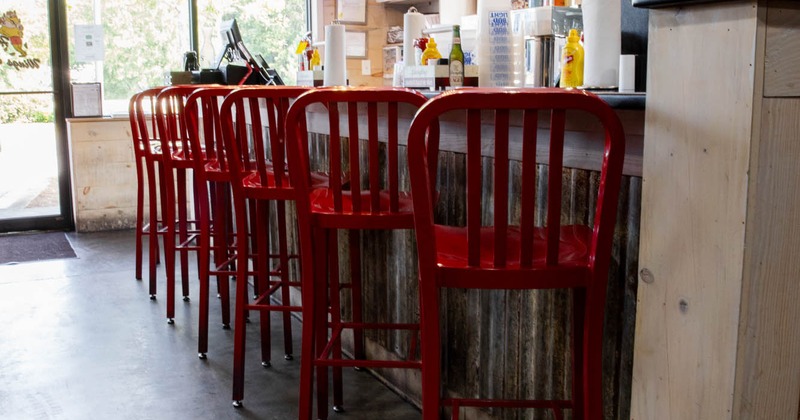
(453, 248)
(322, 202)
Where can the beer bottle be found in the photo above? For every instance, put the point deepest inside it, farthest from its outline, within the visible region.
(456, 59)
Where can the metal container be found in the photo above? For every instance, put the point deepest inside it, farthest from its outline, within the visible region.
(544, 31)
(540, 60)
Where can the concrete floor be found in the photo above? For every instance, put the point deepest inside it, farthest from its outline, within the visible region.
(81, 340)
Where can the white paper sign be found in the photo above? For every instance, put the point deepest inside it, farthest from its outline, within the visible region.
(89, 44)
(87, 99)
(419, 76)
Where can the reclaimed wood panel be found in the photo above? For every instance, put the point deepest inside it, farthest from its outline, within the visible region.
(768, 354)
(781, 75)
(103, 174)
(696, 161)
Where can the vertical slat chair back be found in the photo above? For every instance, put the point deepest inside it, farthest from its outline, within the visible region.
(361, 111)
(245, 114)
(530, 104)
(202, 110)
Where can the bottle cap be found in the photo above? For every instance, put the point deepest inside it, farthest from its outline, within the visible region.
(573, 36)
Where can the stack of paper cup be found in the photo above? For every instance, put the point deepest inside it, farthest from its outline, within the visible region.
(335, 71)
(494, 36)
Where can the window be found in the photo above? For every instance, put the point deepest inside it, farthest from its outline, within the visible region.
(145, 39)
(271, 29)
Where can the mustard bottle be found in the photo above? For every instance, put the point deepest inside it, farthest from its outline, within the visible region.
(572, 61)
(315, 59)
(430, 52)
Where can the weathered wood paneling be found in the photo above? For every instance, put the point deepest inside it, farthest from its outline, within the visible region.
(781, 77)
(768, 354)
(696, 162)
(103, 174)
(512, 344)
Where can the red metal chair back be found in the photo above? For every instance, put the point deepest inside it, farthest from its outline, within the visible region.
(204, 128)
(172, 123)
(244, 115)
(492, 253)
(142, 115)
(357, 196)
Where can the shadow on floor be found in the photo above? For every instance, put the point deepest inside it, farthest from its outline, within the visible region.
(81, 340)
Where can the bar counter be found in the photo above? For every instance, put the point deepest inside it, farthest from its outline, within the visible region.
(522, 351)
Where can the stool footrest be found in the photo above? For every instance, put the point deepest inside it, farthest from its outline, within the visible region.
(325, 359)
(557, 406)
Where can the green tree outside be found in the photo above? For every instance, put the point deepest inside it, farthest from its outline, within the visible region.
(36, 43)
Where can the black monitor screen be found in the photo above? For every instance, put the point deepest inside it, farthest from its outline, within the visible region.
(229, 31)
(231, 37)
(233, 47)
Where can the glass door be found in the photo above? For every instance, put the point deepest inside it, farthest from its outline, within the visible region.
(34, 174)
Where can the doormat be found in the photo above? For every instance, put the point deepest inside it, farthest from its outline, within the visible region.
(35, 247)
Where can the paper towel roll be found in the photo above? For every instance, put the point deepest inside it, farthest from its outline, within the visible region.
(413, 24)
(335, 72)
(451, 11)
(601, 42)
(627, 73)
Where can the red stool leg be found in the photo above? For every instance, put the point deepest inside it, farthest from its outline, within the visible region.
(183, 231)
(577, 343)
(283, 252)
(336, 317)
(168, 212)
(308, 351)
(139, 216)
(203, 262)
(593, 357)
(327, 242)
(152, 234)
(355, 284)
(263, 278)
(430, 351)
(239, 330)
(223, 280)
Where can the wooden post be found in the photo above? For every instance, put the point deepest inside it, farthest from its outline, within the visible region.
(717, 332)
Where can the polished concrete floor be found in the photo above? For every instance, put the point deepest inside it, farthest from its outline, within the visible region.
(81, 340)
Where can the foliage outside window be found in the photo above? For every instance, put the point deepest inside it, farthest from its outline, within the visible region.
(271, 29)
(145, 39)
(25, 62)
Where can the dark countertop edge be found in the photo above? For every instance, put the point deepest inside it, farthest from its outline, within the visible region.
(622, 101)
(654, 4)
(627, 101)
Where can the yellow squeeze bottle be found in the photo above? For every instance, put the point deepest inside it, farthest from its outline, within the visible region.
(430, 52)
(315, 59)
(572, 61)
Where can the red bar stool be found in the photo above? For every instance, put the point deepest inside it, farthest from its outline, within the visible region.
(178, 163)
(259, 179)
(212, 183)
(506, 255)
(147, 154)
(364, 200)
